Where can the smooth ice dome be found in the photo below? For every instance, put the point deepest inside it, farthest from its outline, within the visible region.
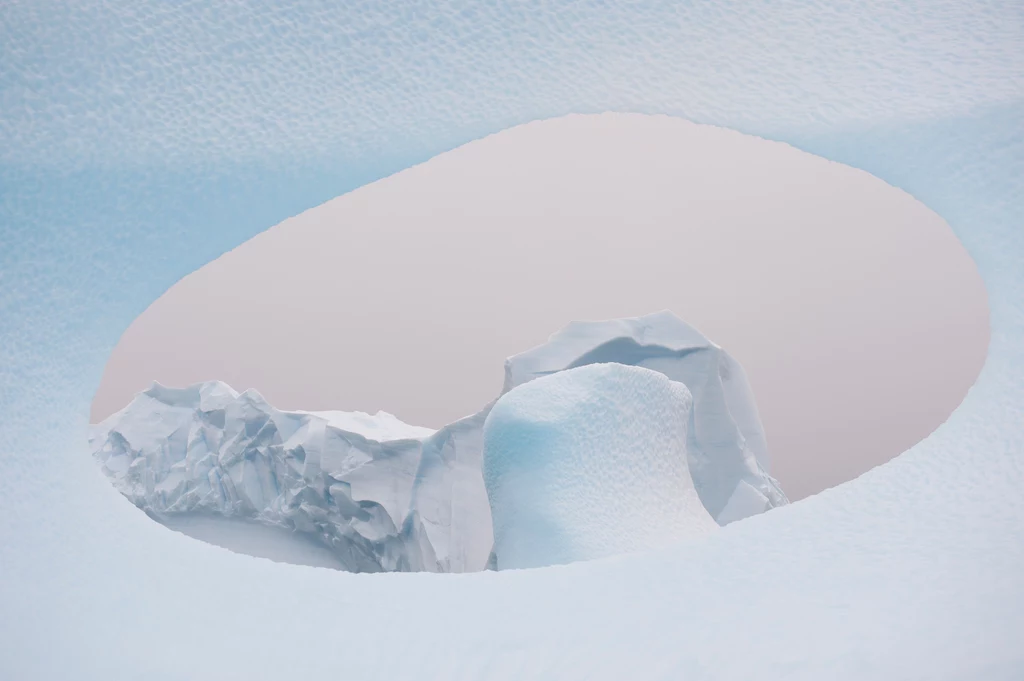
(588, 463)
(382, 495)
(725, 441)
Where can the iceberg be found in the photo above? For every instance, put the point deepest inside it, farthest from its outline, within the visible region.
(590, 462)
(380, 494)
(383, 495)
(345, 478)
(726, 442)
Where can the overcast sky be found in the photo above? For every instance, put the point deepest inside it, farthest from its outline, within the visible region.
(859, 318)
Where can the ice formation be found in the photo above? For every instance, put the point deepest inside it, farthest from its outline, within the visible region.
(377, 492)
(911, 571)
(590, 462)
(386, 496)
(726, 442)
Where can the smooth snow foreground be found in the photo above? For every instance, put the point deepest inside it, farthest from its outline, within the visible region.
(590, 462)
(381, 495)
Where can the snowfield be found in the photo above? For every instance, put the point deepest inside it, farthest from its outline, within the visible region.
(140, 140)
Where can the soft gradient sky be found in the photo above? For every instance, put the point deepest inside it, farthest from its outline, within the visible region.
(859, 318)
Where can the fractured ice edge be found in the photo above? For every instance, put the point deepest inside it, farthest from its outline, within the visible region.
(382, 495)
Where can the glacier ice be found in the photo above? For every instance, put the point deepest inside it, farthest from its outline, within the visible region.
(386, 496)
(590, 462)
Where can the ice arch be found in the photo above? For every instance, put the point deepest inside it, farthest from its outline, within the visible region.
(114, 176)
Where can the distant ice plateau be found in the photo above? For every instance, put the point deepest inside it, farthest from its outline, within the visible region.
(382, 495)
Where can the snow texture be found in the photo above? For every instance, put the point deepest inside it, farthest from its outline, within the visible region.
(382, 495)
(308, 79)
(590, 462)
(141, 140)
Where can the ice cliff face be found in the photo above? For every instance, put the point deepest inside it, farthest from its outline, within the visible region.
(385, 496)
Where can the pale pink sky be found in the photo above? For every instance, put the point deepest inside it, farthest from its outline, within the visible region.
(859, 318)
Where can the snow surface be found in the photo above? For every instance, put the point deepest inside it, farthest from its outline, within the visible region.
(590, 462)
(912, 571)
(382, 495)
